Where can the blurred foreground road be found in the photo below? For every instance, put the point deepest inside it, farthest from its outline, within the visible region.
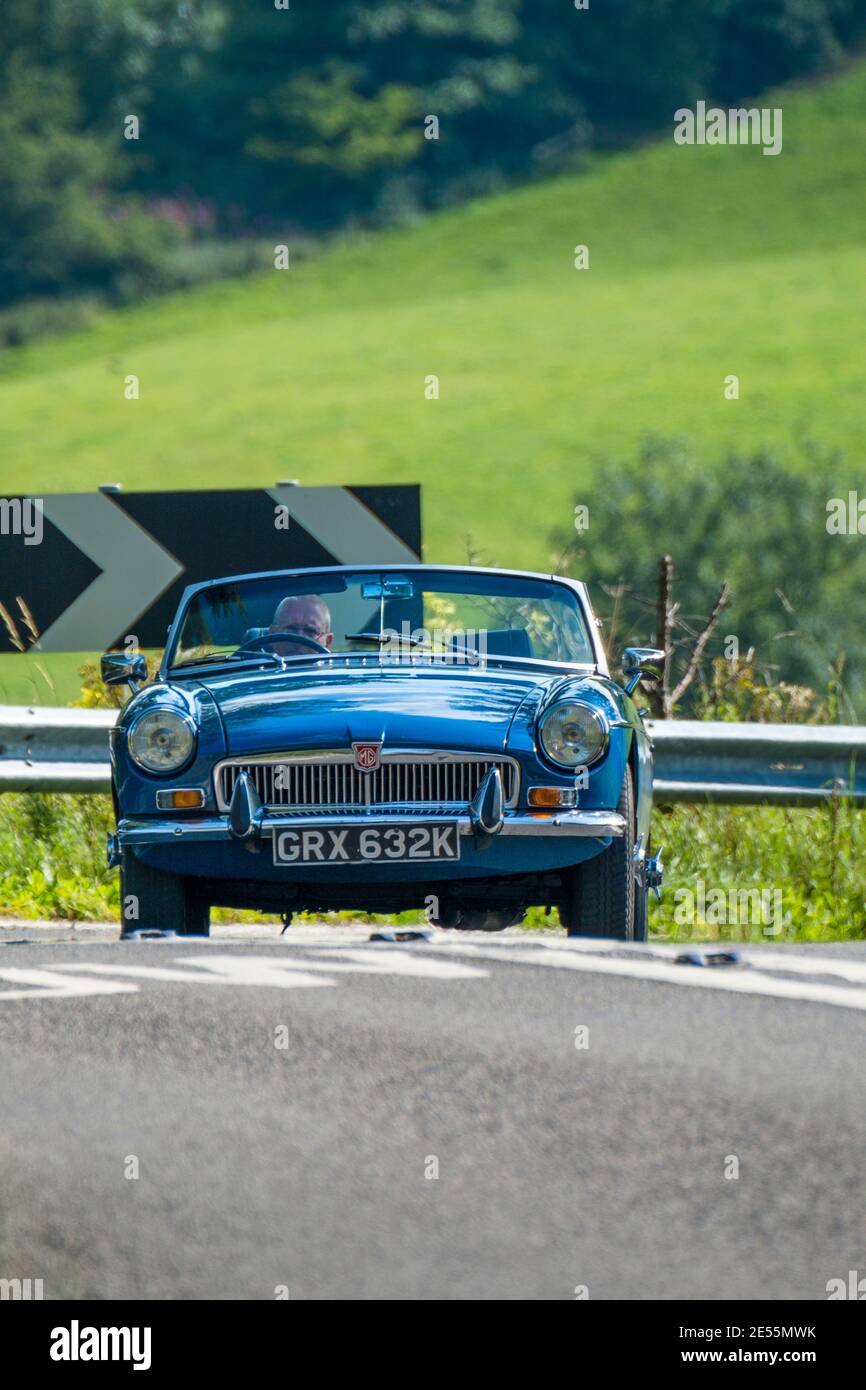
(355, 1120)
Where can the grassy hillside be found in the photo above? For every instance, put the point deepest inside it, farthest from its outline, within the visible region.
(704, 261)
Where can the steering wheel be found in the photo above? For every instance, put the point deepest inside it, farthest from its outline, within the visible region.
(267, 638)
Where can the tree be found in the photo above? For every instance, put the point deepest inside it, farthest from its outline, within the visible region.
(750, 521)
(317, 114)
(69, 72)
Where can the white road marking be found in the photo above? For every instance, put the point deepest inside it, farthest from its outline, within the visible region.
(802, 965)
(588, 958)
(283, 972)
(318, 960)
(385, 959)
(249, 971)
(50, 985)
(769, 958)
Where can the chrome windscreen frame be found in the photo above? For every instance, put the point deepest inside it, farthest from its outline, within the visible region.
(577, 587)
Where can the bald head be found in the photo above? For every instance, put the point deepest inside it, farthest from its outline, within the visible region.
(306, 614)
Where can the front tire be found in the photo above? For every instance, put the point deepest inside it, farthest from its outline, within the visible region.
(155, 900)
(603, 896)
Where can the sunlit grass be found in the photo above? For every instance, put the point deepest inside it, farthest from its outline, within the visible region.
(812, 857)
(52, 848)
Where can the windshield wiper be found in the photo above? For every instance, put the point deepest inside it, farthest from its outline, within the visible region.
(219, 657)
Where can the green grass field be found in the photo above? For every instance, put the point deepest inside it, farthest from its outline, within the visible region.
(704, 261)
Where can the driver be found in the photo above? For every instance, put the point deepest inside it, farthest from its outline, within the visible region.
(308, 616)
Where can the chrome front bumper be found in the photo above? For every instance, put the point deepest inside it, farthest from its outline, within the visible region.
(594, 825)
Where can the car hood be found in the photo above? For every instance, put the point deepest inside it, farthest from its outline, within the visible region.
(471, 710)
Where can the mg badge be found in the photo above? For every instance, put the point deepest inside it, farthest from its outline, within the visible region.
(366, 756)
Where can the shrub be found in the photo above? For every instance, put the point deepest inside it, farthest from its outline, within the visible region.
(750, 520)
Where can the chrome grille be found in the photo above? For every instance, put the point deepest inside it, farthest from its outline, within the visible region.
(333, 783)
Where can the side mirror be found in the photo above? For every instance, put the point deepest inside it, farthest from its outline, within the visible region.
(638, 662)
(120, 669)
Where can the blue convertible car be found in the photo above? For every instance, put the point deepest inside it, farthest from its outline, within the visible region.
(382, 739)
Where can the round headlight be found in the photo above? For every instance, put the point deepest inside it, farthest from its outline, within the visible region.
(162, 741)
(573, 735)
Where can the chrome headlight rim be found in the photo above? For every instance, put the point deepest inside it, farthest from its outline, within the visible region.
(162, 713)
(599, 717)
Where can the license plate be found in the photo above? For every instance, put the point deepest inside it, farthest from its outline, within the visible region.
(356, 844)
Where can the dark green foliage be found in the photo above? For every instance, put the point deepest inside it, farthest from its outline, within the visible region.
(317, 112)
(254, 117)
(751, 521)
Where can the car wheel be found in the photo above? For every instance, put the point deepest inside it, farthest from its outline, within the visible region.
(154, 900)
(603, 896)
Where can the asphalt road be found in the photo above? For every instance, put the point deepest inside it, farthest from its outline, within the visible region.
(429, 1130)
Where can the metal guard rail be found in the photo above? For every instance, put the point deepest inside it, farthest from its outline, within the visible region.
(751, 764)
(66, 750)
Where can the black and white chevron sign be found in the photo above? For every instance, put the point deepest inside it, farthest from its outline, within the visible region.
(94, 568)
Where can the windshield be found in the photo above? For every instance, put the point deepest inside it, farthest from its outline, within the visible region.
(441, 616)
